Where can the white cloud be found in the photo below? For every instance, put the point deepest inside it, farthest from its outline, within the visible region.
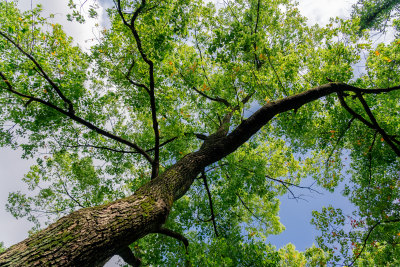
(319, 11)
(82, 33)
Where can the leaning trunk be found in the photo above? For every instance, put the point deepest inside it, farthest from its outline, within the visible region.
(90, 236)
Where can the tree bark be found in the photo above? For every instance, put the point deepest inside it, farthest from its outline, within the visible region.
(90, 236)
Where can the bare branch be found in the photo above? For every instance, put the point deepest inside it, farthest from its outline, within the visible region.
(120, 150)
(285, 183)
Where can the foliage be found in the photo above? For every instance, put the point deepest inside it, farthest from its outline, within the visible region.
(155, 91)
(376, 14)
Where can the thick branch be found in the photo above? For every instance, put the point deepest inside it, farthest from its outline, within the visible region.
(127, 255)
(263, 115)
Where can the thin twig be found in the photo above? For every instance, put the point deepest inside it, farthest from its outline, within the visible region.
(44, 74)
(248, 209)
(368, 234)
(203, 174)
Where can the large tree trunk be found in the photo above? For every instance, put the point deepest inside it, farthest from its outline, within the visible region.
(90, 236)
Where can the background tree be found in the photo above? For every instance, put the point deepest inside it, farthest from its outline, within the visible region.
(188, 121)
(376, 14)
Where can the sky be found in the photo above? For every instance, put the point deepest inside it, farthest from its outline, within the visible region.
(294, 215)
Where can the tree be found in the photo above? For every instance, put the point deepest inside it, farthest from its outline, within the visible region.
(375, 14)
(153, 133)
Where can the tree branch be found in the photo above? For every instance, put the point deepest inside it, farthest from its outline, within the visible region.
(382, 132)
(77, 119)
(173, 234)
(352, 112)
(127, 255)
(276, 74)
(258, 16)
(43, 73)
(69, 195)
(178, 237)
(203, 175)
(248, 209)
(120, 150)
(374, 125)
(247, 128)
(131, 26)
(294, 185)
(339, 139)
(216, 99)
(368, 234)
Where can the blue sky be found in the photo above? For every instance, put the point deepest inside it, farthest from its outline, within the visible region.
(296, 215)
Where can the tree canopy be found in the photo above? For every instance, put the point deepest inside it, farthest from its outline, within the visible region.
(171, 140)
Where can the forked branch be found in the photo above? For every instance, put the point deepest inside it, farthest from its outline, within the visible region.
(374, 125)
(151, 89)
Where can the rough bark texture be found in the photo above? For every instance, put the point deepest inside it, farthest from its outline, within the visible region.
(90, 236)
